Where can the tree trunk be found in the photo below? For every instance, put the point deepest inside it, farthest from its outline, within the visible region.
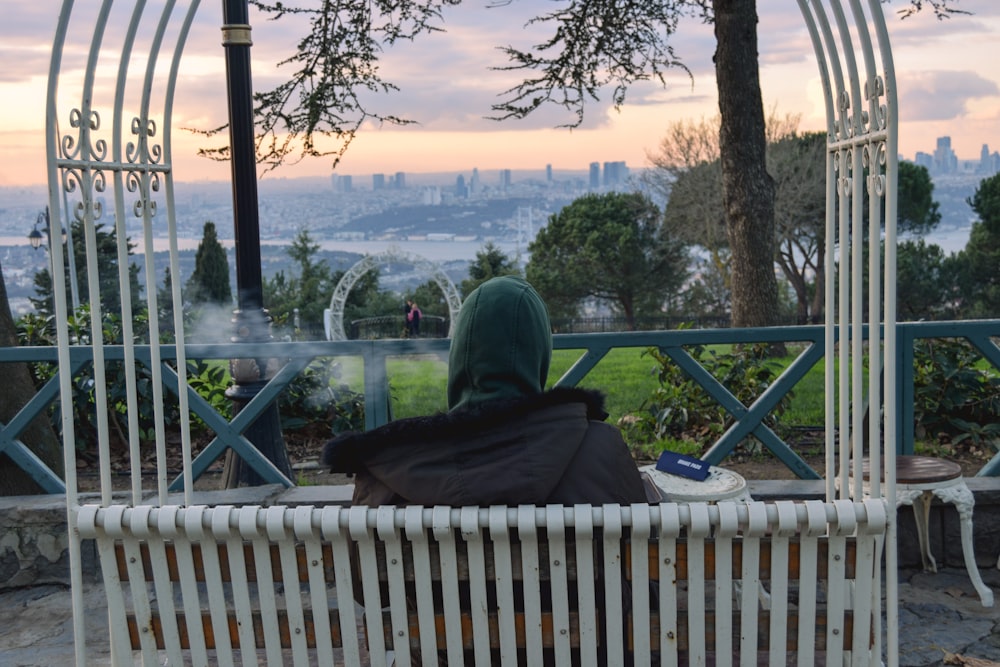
(798, 282)
(747, 188)
(17, 389)
(819, 297)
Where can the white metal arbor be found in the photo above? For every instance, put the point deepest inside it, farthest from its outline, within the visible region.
(109, 120)
(335, 313)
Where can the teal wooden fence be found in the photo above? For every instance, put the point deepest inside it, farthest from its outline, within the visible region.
(296, 356)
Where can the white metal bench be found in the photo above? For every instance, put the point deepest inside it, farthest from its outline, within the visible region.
(493, 585)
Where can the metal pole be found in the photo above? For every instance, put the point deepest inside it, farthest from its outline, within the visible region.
(252, 323)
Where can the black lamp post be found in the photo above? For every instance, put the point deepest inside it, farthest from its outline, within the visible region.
(252, 324)
(37, 238)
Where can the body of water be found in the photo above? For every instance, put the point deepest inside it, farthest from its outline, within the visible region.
(950, 240)
(435, 251)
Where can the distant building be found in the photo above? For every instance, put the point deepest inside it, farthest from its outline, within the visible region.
(461, 190)
(431, 196)
(505, 179)
(340, 182)
(925, 160)
(989, 163)
(399, 181)
(945, 160)
(595, 175)
(615, 174)
(378, 181)
(548, 174)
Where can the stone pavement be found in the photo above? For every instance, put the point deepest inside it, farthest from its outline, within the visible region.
(941, 620)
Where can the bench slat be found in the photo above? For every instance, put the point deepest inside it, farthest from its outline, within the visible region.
(284, 631)
(683, 564)
(548, 635)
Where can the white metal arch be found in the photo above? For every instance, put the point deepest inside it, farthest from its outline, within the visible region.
(861, 159)
(335, 317)
(105, 164)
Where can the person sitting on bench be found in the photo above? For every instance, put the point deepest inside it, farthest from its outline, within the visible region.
(504, 440)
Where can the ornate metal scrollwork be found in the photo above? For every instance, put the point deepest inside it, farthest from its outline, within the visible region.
(844, 162)
(877, 187)
(142, 151)
(875, 94)
(846, 128)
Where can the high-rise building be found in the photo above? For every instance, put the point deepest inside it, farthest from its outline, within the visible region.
(925, 160)
(461, 191)
(615, 174)
(595, 175)
(378, 181)
(548, 174)
(986, 162)
(945, 160)
(340, 182)
(431, 196)
(399, 182)
(505, 179)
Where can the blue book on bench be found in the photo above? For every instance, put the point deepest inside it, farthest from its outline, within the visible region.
(683, 465)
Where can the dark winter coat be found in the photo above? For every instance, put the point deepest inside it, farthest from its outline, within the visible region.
(540, 449)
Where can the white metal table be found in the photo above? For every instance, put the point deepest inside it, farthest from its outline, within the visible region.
(919, 479)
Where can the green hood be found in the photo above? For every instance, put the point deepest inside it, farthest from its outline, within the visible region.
(502, 344)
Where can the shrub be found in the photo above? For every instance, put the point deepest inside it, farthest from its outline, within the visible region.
(685, 417)
(317, 396)
(954, 399)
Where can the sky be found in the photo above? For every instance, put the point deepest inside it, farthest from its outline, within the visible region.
(946, 72)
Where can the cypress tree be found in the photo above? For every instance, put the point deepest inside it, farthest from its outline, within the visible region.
(210, 281)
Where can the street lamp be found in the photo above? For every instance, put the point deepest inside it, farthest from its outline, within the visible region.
(35, 238)
(252, 323)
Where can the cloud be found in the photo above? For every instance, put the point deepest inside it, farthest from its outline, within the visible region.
(941, 95)
(923, 30)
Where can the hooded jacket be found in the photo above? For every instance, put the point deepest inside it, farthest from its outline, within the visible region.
(504, 441)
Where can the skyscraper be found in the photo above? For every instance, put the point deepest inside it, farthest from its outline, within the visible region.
(945, 160)
(595, 175)
(615, 174)
(504, 179)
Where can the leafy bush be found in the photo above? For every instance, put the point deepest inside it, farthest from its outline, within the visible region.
(317, 395)
(682, 416)
(954, 399)
(39, 330)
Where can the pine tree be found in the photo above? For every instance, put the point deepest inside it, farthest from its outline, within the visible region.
(107, 259)
(210, 281)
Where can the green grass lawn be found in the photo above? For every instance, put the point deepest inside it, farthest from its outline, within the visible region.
(626, 376)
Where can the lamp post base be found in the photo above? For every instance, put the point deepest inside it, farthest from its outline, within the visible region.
(264, 433)
(249, 377)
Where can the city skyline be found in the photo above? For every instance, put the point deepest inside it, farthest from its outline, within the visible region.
(946, 82)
